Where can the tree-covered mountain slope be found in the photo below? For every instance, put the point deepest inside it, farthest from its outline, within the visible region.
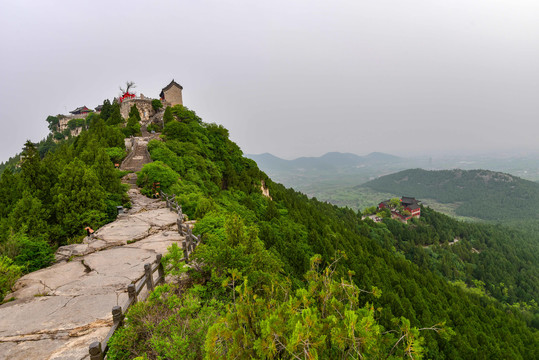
(499, 261)
(288, 277)
(483, 194)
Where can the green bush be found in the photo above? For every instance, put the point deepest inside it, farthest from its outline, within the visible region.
(157, 104)
(183, 114)
(115, 154)
(53, 122)
(157, 171)
(167, 116)
(75, 123)
(34, 254)
(132, 128)
(9, 273)
(160, 152)
(176, 130)
(170, 325)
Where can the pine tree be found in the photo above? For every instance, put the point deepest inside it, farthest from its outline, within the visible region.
(105, 172)
(133, 122)
(30, 166)
(106, 110)
(29, 216)
(167, 116)
(115, 115)
(9, 192)
(79, 198)
(134, 113)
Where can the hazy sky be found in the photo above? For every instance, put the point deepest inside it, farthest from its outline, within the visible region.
(294, 78)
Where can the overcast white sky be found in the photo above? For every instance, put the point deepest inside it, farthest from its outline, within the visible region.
(293, 78)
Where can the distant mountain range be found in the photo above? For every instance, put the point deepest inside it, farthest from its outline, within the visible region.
(332, 165)
(332, 161)
(483, 194)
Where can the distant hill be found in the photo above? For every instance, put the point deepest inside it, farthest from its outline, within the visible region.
(331, 161)
(483, 194)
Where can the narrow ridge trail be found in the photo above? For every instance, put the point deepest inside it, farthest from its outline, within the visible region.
(58, 311)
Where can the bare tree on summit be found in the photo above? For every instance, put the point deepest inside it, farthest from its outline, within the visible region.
(128, 86)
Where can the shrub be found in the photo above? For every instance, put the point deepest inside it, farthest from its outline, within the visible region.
(176, 130)
(185, 115)
(169, 325)
(157, 104)
(157, 171)
(75, 123)
(167, 116)
(115, 154)
(9, 273)
(34, 254)
(53, 122)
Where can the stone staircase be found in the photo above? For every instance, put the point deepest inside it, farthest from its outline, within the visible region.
(138, 156)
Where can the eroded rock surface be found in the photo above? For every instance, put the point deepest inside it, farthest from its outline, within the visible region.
(58, 311)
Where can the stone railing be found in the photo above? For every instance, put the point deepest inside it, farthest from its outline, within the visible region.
(191, 241)
(98, 350)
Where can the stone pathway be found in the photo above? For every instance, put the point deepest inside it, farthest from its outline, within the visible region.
(58, 311)
(138, 155)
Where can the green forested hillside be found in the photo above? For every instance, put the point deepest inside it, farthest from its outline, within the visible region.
(483, 194)
(499, 261)
(258, 289)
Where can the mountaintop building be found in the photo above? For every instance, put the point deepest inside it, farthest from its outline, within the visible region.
(172, 94)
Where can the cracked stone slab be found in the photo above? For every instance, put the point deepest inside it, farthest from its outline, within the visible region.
(159, 242)
(95, 284)
(123, 230)
(120, 261)
(67, 347)
(55, 313)
(158, 217)
(66, 252)
(45, 281)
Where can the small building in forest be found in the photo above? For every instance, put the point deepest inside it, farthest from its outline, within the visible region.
(172, 94)
(409, 208)
(411, 205)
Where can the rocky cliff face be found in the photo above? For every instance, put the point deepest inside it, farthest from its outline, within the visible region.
(144, 106)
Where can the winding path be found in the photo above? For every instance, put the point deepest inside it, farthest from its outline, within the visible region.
(58, 311)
